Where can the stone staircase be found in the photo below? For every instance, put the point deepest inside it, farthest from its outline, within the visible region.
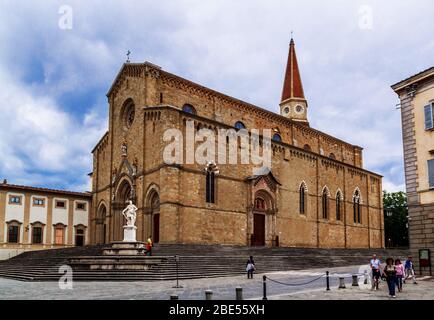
(195, 261)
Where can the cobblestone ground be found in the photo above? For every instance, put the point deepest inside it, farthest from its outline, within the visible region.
(308, 284)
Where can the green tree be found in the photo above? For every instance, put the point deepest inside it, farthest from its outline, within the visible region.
(395, 219)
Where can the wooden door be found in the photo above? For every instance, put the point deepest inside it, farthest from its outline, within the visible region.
(258, 230)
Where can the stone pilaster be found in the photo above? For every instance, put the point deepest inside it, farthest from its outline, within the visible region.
(49, 227)
(70, 221)
(2, 216)
(27, 229)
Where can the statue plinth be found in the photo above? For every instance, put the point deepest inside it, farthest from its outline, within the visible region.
(130, 233)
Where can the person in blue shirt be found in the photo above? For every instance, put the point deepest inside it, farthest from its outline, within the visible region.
(409, 269)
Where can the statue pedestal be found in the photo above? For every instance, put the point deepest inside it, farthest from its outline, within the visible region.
(130, 233)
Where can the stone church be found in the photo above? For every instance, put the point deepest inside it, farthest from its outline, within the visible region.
(316, 193)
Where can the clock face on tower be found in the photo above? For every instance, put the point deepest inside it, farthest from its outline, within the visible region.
(286, 110)
(299, 109)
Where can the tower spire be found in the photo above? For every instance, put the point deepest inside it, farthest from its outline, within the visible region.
(292, 86)
(293, 104)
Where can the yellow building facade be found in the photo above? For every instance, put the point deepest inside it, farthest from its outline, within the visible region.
(417, 112)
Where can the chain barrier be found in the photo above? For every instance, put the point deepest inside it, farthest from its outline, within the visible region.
(327, 275)
(296, 284)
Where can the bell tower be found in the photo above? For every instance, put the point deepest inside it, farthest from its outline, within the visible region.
(293, 104)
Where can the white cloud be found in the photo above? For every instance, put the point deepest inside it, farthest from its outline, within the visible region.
(37, 136)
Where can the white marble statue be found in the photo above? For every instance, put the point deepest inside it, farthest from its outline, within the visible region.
(130, 214)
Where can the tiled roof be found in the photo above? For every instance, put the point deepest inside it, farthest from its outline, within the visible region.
(415, 76)
(43, 190)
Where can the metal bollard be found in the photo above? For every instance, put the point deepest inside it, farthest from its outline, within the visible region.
(264, 282)
(174, 297)
(342, 283)
(355, 280)
(238, 293)
(366, 277)
(208, 294)
(327, 281)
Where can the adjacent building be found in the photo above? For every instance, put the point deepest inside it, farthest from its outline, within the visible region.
(417, 113)
(38, 218)
(316, 194)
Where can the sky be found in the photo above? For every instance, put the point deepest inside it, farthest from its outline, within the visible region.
(58, 59)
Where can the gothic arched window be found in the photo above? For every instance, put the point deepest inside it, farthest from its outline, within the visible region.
(325, 204)
(303, 198)
(210, 187)
(356, 207)
(211, 171)
(338, 205)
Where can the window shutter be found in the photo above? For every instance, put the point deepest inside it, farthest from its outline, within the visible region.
(431, 173)
(428, 117)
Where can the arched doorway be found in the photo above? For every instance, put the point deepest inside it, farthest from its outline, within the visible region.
(154, 203)
(101, 225)
(123, 195)
(262, 213)
(258, 237)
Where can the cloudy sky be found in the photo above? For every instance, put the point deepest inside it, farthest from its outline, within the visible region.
(55, 71)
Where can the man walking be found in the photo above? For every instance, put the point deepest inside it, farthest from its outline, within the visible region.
(375, 267)
(409, 269)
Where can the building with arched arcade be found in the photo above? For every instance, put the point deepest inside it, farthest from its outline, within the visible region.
(315, 193)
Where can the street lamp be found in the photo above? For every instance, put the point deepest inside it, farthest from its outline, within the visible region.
(177, 276)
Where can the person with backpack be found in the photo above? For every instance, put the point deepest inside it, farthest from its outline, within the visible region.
(250, 267)
(390, 273)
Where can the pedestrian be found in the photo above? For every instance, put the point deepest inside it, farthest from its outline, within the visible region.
(399, 273)
(376, 271)
(149, 245)
(390, 273)
(409, 269)
(250, 267)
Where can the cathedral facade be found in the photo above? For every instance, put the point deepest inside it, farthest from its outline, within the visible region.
(315, 193)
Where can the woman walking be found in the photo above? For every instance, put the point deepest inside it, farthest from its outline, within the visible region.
(390, 273)
(250, 267)
(399, 274)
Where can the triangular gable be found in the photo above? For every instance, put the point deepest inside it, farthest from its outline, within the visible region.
(125, 167)
(268, 180)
